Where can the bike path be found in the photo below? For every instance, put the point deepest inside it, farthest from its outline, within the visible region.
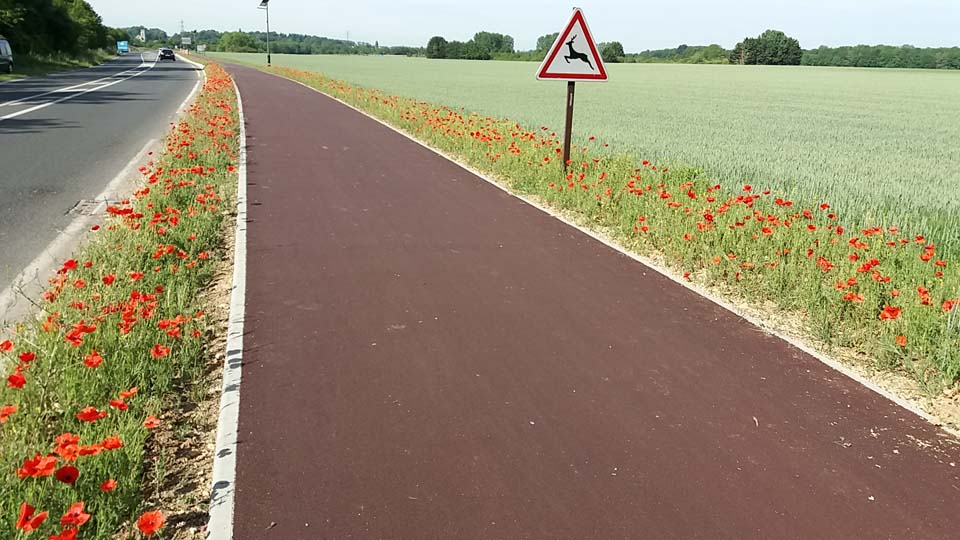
(428, 357)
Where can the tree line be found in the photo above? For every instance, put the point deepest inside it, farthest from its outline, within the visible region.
(494, 46)
(884, 56)
(280, 43)
(40, 27)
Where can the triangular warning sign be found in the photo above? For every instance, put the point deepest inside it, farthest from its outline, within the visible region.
(574, 56)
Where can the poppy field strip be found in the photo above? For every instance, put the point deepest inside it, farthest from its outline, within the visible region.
(121, 332)
(878, 144)
(875, 290)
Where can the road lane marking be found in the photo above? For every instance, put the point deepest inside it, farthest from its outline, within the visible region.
(77, 94)
(69, 88)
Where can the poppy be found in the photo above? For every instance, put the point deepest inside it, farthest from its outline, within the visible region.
(37, 466)
(6, 345)
(159, 351)
(151, 522)
(17, 380)
(91, 414)
(7, 410)
(109, 279)
(890, 313)
(152, 422)
(112, 442)
(68, 533)
(28, 357)
(901, 341)
(108, 485)
(27, 522)
(67, 474)
(75, 516)
(93, 359)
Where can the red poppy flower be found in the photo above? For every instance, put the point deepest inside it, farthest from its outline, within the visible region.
(890, 313)
(109, 279)
(27, 357)
(112, 442)
(16, 380)
(7, 410)
(37, 466)
(6, 345)
(67, 474)
(127, 394)
(93, 359)
(159, 351)
(119, 404)
(27, 522)
(948, 305)
(151, 522)
(152, 422)
(66, 534)
(901, 341)
(91, 414)
(108, 485)
(136, 276)
(75, 516)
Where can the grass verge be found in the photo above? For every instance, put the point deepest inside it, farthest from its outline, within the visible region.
(877, 291)
(122, 330)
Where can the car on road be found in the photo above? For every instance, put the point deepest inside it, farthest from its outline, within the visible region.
(166, 54)
(6, 56)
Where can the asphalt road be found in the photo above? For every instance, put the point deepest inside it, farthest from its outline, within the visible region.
(427, 357)
(64, 137)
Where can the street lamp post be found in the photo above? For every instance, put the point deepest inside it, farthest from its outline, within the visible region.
(265, 4)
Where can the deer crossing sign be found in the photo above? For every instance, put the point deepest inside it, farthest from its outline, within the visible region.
(574, 56)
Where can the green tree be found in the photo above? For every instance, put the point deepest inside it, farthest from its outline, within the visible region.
(611, 52)
(772, 47)
(437, 47)
(545, 42)
(491, 42)
(237, 42)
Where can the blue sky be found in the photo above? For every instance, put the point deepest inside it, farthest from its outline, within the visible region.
(638, 25)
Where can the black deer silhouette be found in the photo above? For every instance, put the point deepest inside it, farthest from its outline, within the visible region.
(574, 55)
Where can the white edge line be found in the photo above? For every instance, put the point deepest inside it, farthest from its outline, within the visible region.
(223, 482)
(61, 245)
(78, 94)
(830, 362)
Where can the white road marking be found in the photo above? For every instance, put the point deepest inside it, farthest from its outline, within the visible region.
(76, 94)
(222, 493)
(70, 88)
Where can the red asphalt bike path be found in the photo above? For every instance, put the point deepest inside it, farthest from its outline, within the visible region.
(427, 357)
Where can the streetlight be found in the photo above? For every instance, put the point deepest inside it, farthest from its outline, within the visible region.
(265, 4)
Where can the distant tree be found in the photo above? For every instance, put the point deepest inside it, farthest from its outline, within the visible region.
(773, 47)
(492, 42)
(437, 47)
(611, 52)
(545, 42)
(237, 42)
